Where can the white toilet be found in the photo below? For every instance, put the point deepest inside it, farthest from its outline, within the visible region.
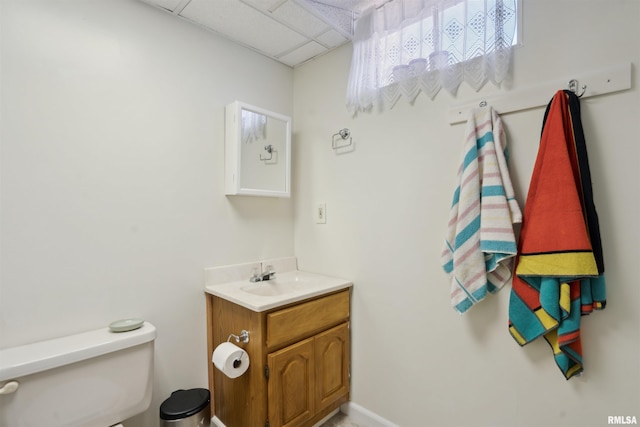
(93, 379)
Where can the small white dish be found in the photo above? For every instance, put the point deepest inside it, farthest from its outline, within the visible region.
(125, 325)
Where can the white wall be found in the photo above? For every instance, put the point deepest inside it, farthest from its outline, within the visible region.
(112, 175)
(415, 361)
(112, 203)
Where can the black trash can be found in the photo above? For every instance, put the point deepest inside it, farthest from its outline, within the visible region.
(186, 408)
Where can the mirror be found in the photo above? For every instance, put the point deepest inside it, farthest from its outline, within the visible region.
(257, 151)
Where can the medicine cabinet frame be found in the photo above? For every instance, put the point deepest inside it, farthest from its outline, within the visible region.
(258, 164)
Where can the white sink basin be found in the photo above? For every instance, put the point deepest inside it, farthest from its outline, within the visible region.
(272, 288)
(287, 283)
(284, 288)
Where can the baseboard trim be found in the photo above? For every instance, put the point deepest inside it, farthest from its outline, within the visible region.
(356, 413)
(362, 416)
(215, 421)
(325, 419)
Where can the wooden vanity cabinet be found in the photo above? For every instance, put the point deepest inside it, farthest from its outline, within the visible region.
(299, 361)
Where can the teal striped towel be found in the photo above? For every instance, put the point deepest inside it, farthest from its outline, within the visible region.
(480, 243)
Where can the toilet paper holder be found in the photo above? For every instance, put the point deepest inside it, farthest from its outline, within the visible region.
(243, 337)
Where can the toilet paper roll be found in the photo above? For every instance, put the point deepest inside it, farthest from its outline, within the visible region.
(230, 359)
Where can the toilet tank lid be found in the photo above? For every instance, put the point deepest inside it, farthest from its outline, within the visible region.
(29, 359)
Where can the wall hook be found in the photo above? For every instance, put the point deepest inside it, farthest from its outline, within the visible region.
(574, 87)
(343, 134)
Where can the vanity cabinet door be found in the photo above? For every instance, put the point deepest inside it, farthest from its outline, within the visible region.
(291, 384)
(332, 365)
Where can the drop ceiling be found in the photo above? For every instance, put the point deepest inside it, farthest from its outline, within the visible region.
(289, 31)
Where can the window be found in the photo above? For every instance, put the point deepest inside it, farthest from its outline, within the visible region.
(408, 46)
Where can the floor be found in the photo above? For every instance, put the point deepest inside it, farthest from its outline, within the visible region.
(339, 420)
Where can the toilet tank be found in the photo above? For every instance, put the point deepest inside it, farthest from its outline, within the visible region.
(93, 379)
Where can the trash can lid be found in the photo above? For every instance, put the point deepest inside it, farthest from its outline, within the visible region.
(184, 403)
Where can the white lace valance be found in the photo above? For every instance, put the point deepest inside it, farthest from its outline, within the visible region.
(408, 46)
(254, 126)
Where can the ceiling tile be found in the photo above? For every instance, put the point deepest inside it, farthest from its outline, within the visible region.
(289, 31)
(299, 19)
(266, 5)
(347, 5)
(303, 53)
(165, 4)
(243, 24)
(331, 38)
(337, 12)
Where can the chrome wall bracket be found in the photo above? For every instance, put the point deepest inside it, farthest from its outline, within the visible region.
(243, 337)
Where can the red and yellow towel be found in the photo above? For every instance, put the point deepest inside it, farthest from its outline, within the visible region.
(559, 268)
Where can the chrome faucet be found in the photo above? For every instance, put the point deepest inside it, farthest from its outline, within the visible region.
(265, 275)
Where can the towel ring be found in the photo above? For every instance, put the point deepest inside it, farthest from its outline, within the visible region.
(268, 149)
(343, 134)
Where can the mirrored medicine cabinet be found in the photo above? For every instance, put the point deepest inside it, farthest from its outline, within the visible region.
(257, 151)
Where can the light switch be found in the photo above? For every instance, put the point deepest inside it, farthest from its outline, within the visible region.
(321, 213)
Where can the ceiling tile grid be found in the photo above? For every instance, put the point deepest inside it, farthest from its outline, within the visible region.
(267, 5)
(281, 29)
(169, 5)
(332, 39)
(299, 19)
(243, 24)
(303, 54)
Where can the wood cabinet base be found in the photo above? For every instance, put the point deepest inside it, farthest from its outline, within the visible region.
(299, 362)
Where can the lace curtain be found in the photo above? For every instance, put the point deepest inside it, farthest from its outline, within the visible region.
(254, 126)
(408, 46)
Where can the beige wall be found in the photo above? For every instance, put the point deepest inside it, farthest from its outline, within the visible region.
(415, 361)
(112, 175)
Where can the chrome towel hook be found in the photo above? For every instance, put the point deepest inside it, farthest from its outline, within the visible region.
(574, 87)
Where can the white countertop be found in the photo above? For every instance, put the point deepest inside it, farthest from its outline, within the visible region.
(284, 288)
